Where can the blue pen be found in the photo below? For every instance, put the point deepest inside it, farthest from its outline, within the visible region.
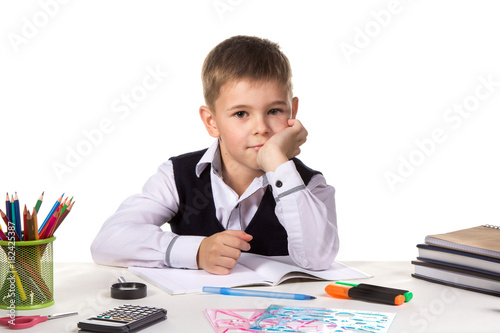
(257, 293)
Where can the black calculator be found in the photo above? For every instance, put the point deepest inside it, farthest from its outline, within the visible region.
(125, 318)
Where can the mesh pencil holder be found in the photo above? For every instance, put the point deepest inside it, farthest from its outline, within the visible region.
(26, 274)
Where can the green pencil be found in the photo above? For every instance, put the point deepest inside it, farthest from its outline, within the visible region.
(39, 202)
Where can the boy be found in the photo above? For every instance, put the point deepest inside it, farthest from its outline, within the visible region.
(247, 192)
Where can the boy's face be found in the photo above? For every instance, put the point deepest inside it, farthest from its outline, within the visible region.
(247, 114)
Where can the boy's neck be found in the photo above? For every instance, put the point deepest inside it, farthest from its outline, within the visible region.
(237, 180)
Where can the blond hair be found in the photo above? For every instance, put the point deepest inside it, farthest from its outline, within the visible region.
(243, 57)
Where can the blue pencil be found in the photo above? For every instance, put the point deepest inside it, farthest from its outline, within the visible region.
(17, 225)
(17, 212)
(8, 208)
(58, 202)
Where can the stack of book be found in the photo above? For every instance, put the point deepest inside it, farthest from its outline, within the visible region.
(467, 259)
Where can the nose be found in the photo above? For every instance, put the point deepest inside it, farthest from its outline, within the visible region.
(260, 126)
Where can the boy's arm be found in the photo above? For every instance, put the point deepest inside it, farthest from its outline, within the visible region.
(132, 236)
(308, 215)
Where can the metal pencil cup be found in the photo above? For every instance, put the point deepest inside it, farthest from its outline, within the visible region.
(26, 274)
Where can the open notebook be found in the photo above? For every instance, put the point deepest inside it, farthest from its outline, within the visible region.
(252, 269)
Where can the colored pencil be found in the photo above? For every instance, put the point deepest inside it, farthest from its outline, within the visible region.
(8, 207)
(65, 205)
(57, 203)
(26, 235)
(7, 222)
(17, 224)
(47, 230)
(2, 235)
(5, 218)
(53, 228)
(18, 211)
(63, 216)
(35, 225)
(20, 287)
(39, 202)
(28, 280)
(29, 222)
(31, 271)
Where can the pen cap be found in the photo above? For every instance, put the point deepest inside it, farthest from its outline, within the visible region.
(337, 291)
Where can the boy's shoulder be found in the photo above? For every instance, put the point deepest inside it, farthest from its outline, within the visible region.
(185, 165)
(190, 156)
(305, 172)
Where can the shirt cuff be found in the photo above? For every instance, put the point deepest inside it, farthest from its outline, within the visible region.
(285, 180)
(182, 251)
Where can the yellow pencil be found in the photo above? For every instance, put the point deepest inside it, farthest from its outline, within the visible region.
(19, 286)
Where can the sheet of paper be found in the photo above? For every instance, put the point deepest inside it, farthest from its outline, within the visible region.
(275, 268)
(184, 281)
(252, 270)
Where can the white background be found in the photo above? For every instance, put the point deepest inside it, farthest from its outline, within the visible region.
(66, 66)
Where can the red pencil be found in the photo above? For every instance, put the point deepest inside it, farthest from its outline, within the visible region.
(6, 220)
(26, 234)
(35, 225)
(63, 216)
(2, 236)
(47, 230)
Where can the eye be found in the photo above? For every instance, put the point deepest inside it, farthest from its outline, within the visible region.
(274, 112)
(240, 114)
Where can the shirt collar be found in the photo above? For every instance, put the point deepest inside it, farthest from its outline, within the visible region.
(211, 156)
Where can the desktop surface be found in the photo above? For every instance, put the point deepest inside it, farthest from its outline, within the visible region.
(85, 287)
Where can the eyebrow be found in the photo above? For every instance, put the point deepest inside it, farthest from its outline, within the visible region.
(244, 106)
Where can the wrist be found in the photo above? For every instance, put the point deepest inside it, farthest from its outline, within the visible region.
(271, 163)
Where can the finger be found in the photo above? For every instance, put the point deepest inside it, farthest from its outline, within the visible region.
(218, 270)
(240, 234)
(229, 252)
(295, 123)
(226, 262)
(295, 152)
(236, 239)
(236, 243)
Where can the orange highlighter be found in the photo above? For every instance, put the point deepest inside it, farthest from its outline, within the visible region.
(364, 294)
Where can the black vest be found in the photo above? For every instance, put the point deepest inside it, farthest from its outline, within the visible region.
(196, 215)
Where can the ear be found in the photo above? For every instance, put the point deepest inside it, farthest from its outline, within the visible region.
(295, 107)
(208, 119)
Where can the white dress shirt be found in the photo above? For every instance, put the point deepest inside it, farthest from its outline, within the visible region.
(133, 235)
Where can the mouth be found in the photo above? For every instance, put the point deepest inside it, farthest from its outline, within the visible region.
(256, 147)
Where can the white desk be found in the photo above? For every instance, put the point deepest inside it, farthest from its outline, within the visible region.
(84, 287)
